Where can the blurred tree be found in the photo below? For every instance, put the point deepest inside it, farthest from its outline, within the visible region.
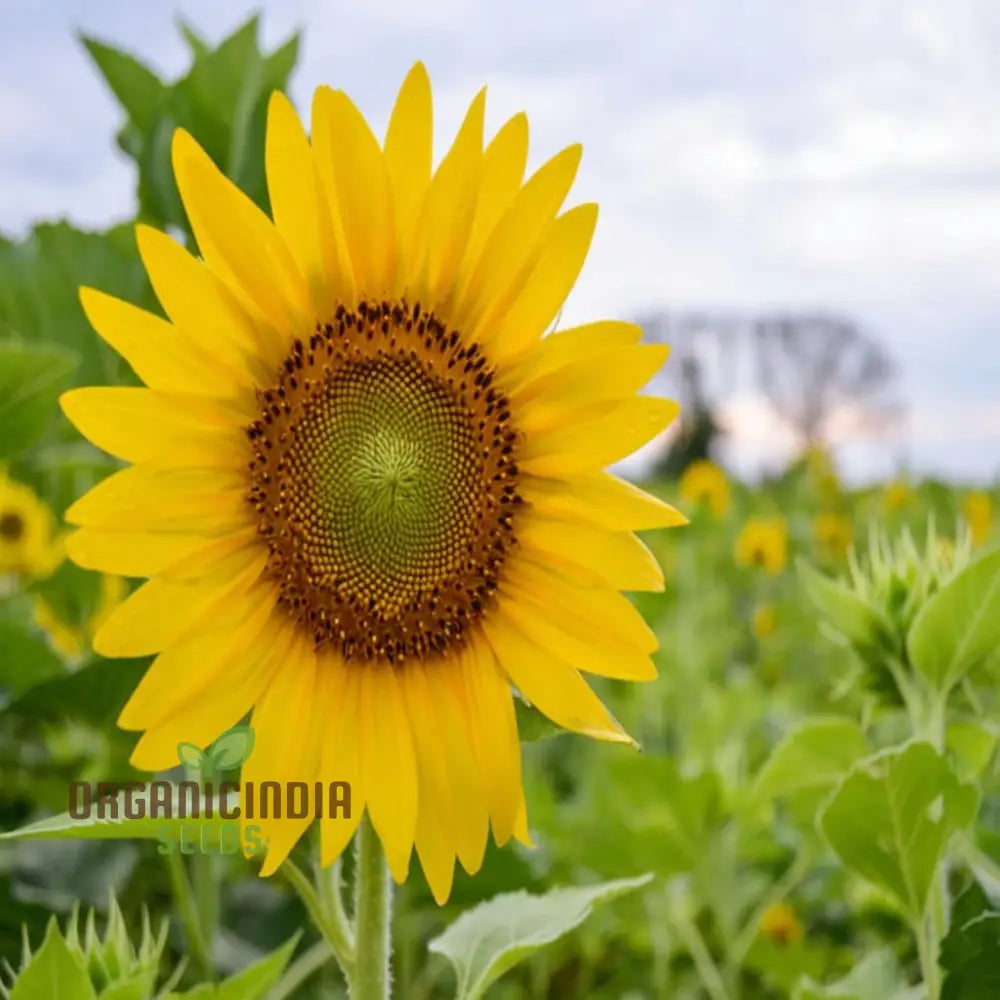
(822, 376)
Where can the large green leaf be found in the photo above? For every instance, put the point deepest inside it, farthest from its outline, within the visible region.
(891, 817)
(813, 757)
(487, 941)
(970, 953)
(960, 625)
(53, 973)
(26, 659)
(876, 977)
(139, 90)
(31, 378)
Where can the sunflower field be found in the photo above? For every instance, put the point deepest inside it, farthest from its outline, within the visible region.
(801, 800)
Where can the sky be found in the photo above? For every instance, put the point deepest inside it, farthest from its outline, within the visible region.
(793, 155)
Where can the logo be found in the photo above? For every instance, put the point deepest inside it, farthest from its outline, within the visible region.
(203, 814)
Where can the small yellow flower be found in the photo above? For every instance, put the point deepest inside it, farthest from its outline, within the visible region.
(72, 640)
(27, 532)
(833, 533)
(781, 924)
(977, 509)
(897, 494)
(764, 621)
(823, 472)
(703, 482)
(763, 542)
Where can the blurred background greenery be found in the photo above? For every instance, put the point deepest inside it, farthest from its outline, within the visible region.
(748, 899)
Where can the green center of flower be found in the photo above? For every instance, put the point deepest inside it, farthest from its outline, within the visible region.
(393, 463)
(384, 480)
(11, 526)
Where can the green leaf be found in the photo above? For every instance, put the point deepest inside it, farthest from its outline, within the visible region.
(139, 90)
(93, 693)
(111, 823)
(861, 623)
(53, 973)
(974, 743)
(253, 983)
(232, 748)
(876, 977)
(26, 659)
(812, 757)
(970, 952)
(485, 942)
(31, 379)
(891, 817)
(190, 755)
(531, 724)
(959, 625)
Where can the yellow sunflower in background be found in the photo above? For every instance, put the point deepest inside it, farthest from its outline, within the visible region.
(704, 483)
(897, 494)
(977, 511)
(368, 493)
(763, 542)
(28, 542)
(833, 533)
(781, 924)
(72, 640)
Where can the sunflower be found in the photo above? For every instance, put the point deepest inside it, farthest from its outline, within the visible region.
(28, 542)
(977, 511)
(367, 489)
(781, 924)
(897, 494)
(704, 483)
(69, 639)
(763, 542)
(833, 533)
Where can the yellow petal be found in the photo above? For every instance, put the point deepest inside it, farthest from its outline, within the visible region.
(339, 692)
(600, 499)
(503, 170)
(388, 767)
(409, 154)
(595, 436)
(217, 658)
(613, 559)
(492, 730)
(161, 611)
(129, 553)
(512, 248)
(568, 346)
(563, 621)
(294, 191)
(285, 753)
(207, 311)
(238, 240)
(614, 374)
(549, 285)
(451, 203)
(555, 689)
(157, 351)
(155, 498)
(140, 424)
(363, 192)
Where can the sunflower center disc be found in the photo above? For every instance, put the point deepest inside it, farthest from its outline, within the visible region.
(11, 526)
(384, 481)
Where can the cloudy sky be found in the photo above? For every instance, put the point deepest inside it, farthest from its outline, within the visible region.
(793, 154)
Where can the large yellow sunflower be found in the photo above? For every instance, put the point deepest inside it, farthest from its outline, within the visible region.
(367, 490)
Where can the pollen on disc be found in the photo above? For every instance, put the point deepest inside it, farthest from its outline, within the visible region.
(384, 481)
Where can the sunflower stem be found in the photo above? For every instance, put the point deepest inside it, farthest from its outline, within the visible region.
(187, 913)
(372, 917)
